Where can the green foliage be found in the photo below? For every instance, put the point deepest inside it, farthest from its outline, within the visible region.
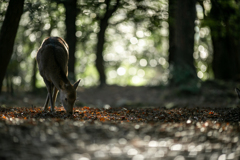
(136, 49)
(223, 17)
(3, 9)
(222, 21)
(37, 23)
(135, 38)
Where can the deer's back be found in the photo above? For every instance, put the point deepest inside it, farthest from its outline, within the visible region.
(52, 58)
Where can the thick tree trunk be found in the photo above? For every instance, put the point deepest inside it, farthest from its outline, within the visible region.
(71, 14)
(182, 15)
(8, 34)
(226, 50)
(226, 61)
(171, 22)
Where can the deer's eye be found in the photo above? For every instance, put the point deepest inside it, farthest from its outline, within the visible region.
(66, 99)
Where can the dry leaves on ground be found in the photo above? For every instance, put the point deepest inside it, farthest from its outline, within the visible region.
(148, 115)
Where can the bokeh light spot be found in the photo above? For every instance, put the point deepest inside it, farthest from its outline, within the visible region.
(143, 62)
(121, 71)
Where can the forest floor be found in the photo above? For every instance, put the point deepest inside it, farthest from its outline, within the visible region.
(212, 94)
(116, 122)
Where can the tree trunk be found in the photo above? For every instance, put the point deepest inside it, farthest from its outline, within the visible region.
(226, 50)
(33, 79)
(71, 14)
(226, 61)
(8, 34)
(99, 53)
(9, 84)
(171, 22)
(101, 40)
(182, 15)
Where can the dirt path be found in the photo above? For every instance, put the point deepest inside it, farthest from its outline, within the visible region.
(210, 95)
(120, 133)
(213, 96)
(50, 140)
(130, 123)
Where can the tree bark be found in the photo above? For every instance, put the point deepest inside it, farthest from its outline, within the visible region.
(71, 14)
(99, 53)
(8, 33)
(226, 60)
(171, 22)
(182, 15)
(101, 40)
(34, 78)
(226, 50)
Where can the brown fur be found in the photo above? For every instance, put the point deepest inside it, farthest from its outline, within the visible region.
(52, 59)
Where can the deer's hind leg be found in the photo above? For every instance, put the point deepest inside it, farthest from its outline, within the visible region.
(46, 103)
(55, 93)
(49, 86)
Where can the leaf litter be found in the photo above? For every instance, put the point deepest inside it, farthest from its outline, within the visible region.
(120, 133)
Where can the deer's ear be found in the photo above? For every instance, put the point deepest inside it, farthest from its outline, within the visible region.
(75, 85)
(238, 92)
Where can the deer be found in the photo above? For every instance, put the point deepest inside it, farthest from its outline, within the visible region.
(52, 59)
(238, 92)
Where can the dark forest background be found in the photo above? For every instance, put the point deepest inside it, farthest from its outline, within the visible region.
(123, 42)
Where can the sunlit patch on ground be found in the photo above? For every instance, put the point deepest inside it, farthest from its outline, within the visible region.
(120, 133)
(122, 114)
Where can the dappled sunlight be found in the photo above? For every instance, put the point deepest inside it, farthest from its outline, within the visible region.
(204, 32)
(134, 40)
(140, 34)
(112, 74)
(78, 34)
(143, 62)
(142, 43)
(119, 49)
(17, 80)
(125, 44)
(136, 37)
(126, 27)
(136, 80)
(47, 26)
(111, 57)
(141, 73)
(164, 31)
(132, 59)
(121, 71)
(200, 74)
(203, 68)
(162, 61)
(106, 133)
(149, 85)
(132, 71)
(203, 52)
(200, 13)
(153, 63)
(32, 37)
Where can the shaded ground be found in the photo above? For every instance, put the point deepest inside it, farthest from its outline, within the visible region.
(120, 133)
(212, 94)
(124, 123)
